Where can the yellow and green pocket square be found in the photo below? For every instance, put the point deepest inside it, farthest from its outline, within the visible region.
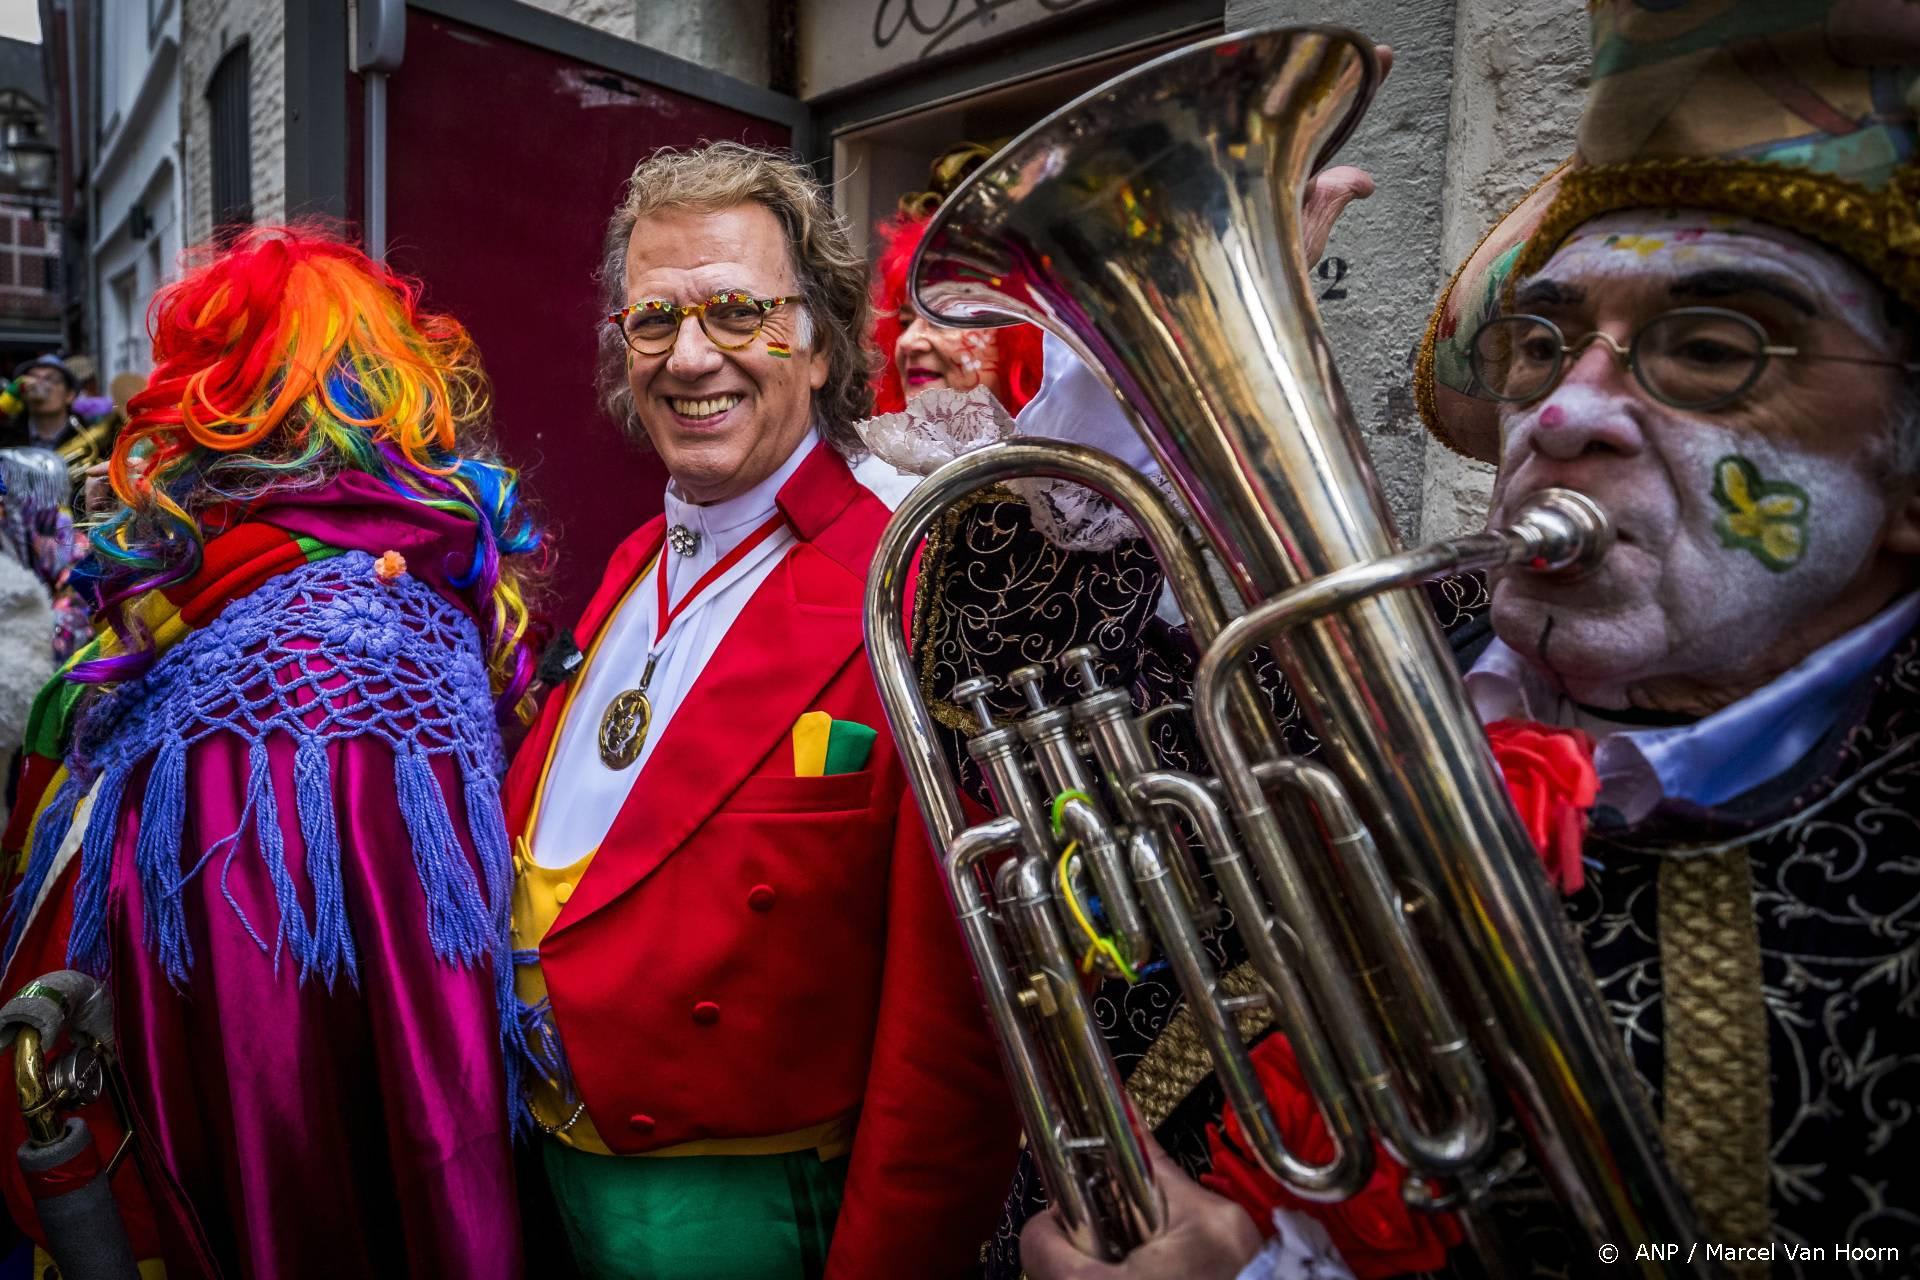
(823, 746)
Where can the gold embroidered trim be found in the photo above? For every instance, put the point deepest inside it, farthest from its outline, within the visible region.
(1176, 1062)
(1716, 1117)
(1424, 398)
(929, 601)
(1877, 229)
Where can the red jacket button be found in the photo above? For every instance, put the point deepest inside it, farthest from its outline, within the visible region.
(761, 897)
(641, 1125)
(706, 1013)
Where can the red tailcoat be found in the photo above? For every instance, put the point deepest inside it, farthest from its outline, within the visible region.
(752, 953)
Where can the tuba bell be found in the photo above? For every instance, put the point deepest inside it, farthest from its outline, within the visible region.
(1393, 910)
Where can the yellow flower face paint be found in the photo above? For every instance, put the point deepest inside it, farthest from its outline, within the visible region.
(1765, 517)
(1642, 245)
(1742, 530)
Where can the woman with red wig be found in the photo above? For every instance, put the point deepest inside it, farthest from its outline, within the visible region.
(262, 801)
(920, 354)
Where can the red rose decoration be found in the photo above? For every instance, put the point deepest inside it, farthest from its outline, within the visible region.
(1551, 777)
(1377, 1234)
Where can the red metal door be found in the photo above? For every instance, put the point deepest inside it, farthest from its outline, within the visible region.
(504, 163)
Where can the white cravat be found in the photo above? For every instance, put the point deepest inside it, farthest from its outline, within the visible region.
(583, 796)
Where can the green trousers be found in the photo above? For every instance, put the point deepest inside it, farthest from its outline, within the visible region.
(697, 1217)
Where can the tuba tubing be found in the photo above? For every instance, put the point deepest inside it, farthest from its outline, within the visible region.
(1153, 224)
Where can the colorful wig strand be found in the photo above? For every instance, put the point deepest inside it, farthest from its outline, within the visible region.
(277, 362)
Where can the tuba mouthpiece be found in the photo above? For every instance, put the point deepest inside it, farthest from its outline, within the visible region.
(1561, 531)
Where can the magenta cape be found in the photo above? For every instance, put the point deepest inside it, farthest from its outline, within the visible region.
(308, 1132)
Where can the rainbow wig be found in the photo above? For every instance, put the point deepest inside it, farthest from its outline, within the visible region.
(279, 362)
(1019, 345)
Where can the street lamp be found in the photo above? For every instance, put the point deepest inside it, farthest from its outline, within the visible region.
(33, 159)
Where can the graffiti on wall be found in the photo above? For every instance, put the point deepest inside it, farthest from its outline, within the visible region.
(927, 25)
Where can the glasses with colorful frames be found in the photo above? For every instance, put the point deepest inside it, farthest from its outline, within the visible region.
(730, 320)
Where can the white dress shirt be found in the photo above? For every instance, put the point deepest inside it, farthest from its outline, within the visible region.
(580, 810)
(1074, 403)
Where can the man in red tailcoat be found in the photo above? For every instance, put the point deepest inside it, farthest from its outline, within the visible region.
(758, 1046)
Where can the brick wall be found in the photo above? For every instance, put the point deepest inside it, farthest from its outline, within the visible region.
(29, 264)
(208, 28)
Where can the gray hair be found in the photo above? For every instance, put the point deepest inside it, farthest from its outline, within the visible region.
(830, 274)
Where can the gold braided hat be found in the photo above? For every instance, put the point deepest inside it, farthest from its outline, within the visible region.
(1797, 113)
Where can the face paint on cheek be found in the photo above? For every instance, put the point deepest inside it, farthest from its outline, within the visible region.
(1745, 570)
(1765, 518)
(779, 344)
(978, 353)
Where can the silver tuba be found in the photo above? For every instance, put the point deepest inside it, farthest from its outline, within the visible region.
(1392, 906)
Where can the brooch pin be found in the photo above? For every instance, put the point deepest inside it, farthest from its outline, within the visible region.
(683, 540)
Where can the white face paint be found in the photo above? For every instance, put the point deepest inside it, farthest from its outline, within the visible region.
(1745, 531)
(1698, 586)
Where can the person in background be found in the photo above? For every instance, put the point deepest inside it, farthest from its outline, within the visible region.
(88, 405)
(38, 531)
(920, 355)
(38, 412)
(756, 1045)
(38, 405)
(264, 802)
(26, 618)
(124, 387)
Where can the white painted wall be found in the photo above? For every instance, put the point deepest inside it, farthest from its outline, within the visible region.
(1519, 74)
(729, 36)
(136, 167)
(1483, 100)
(615, 17)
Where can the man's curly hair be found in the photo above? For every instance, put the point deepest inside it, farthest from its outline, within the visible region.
(831, 274)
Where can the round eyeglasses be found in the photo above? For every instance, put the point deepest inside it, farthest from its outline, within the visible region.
(730, 321)
(1689, 358)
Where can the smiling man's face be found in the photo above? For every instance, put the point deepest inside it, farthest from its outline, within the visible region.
(722, 421)
(1749, 534)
